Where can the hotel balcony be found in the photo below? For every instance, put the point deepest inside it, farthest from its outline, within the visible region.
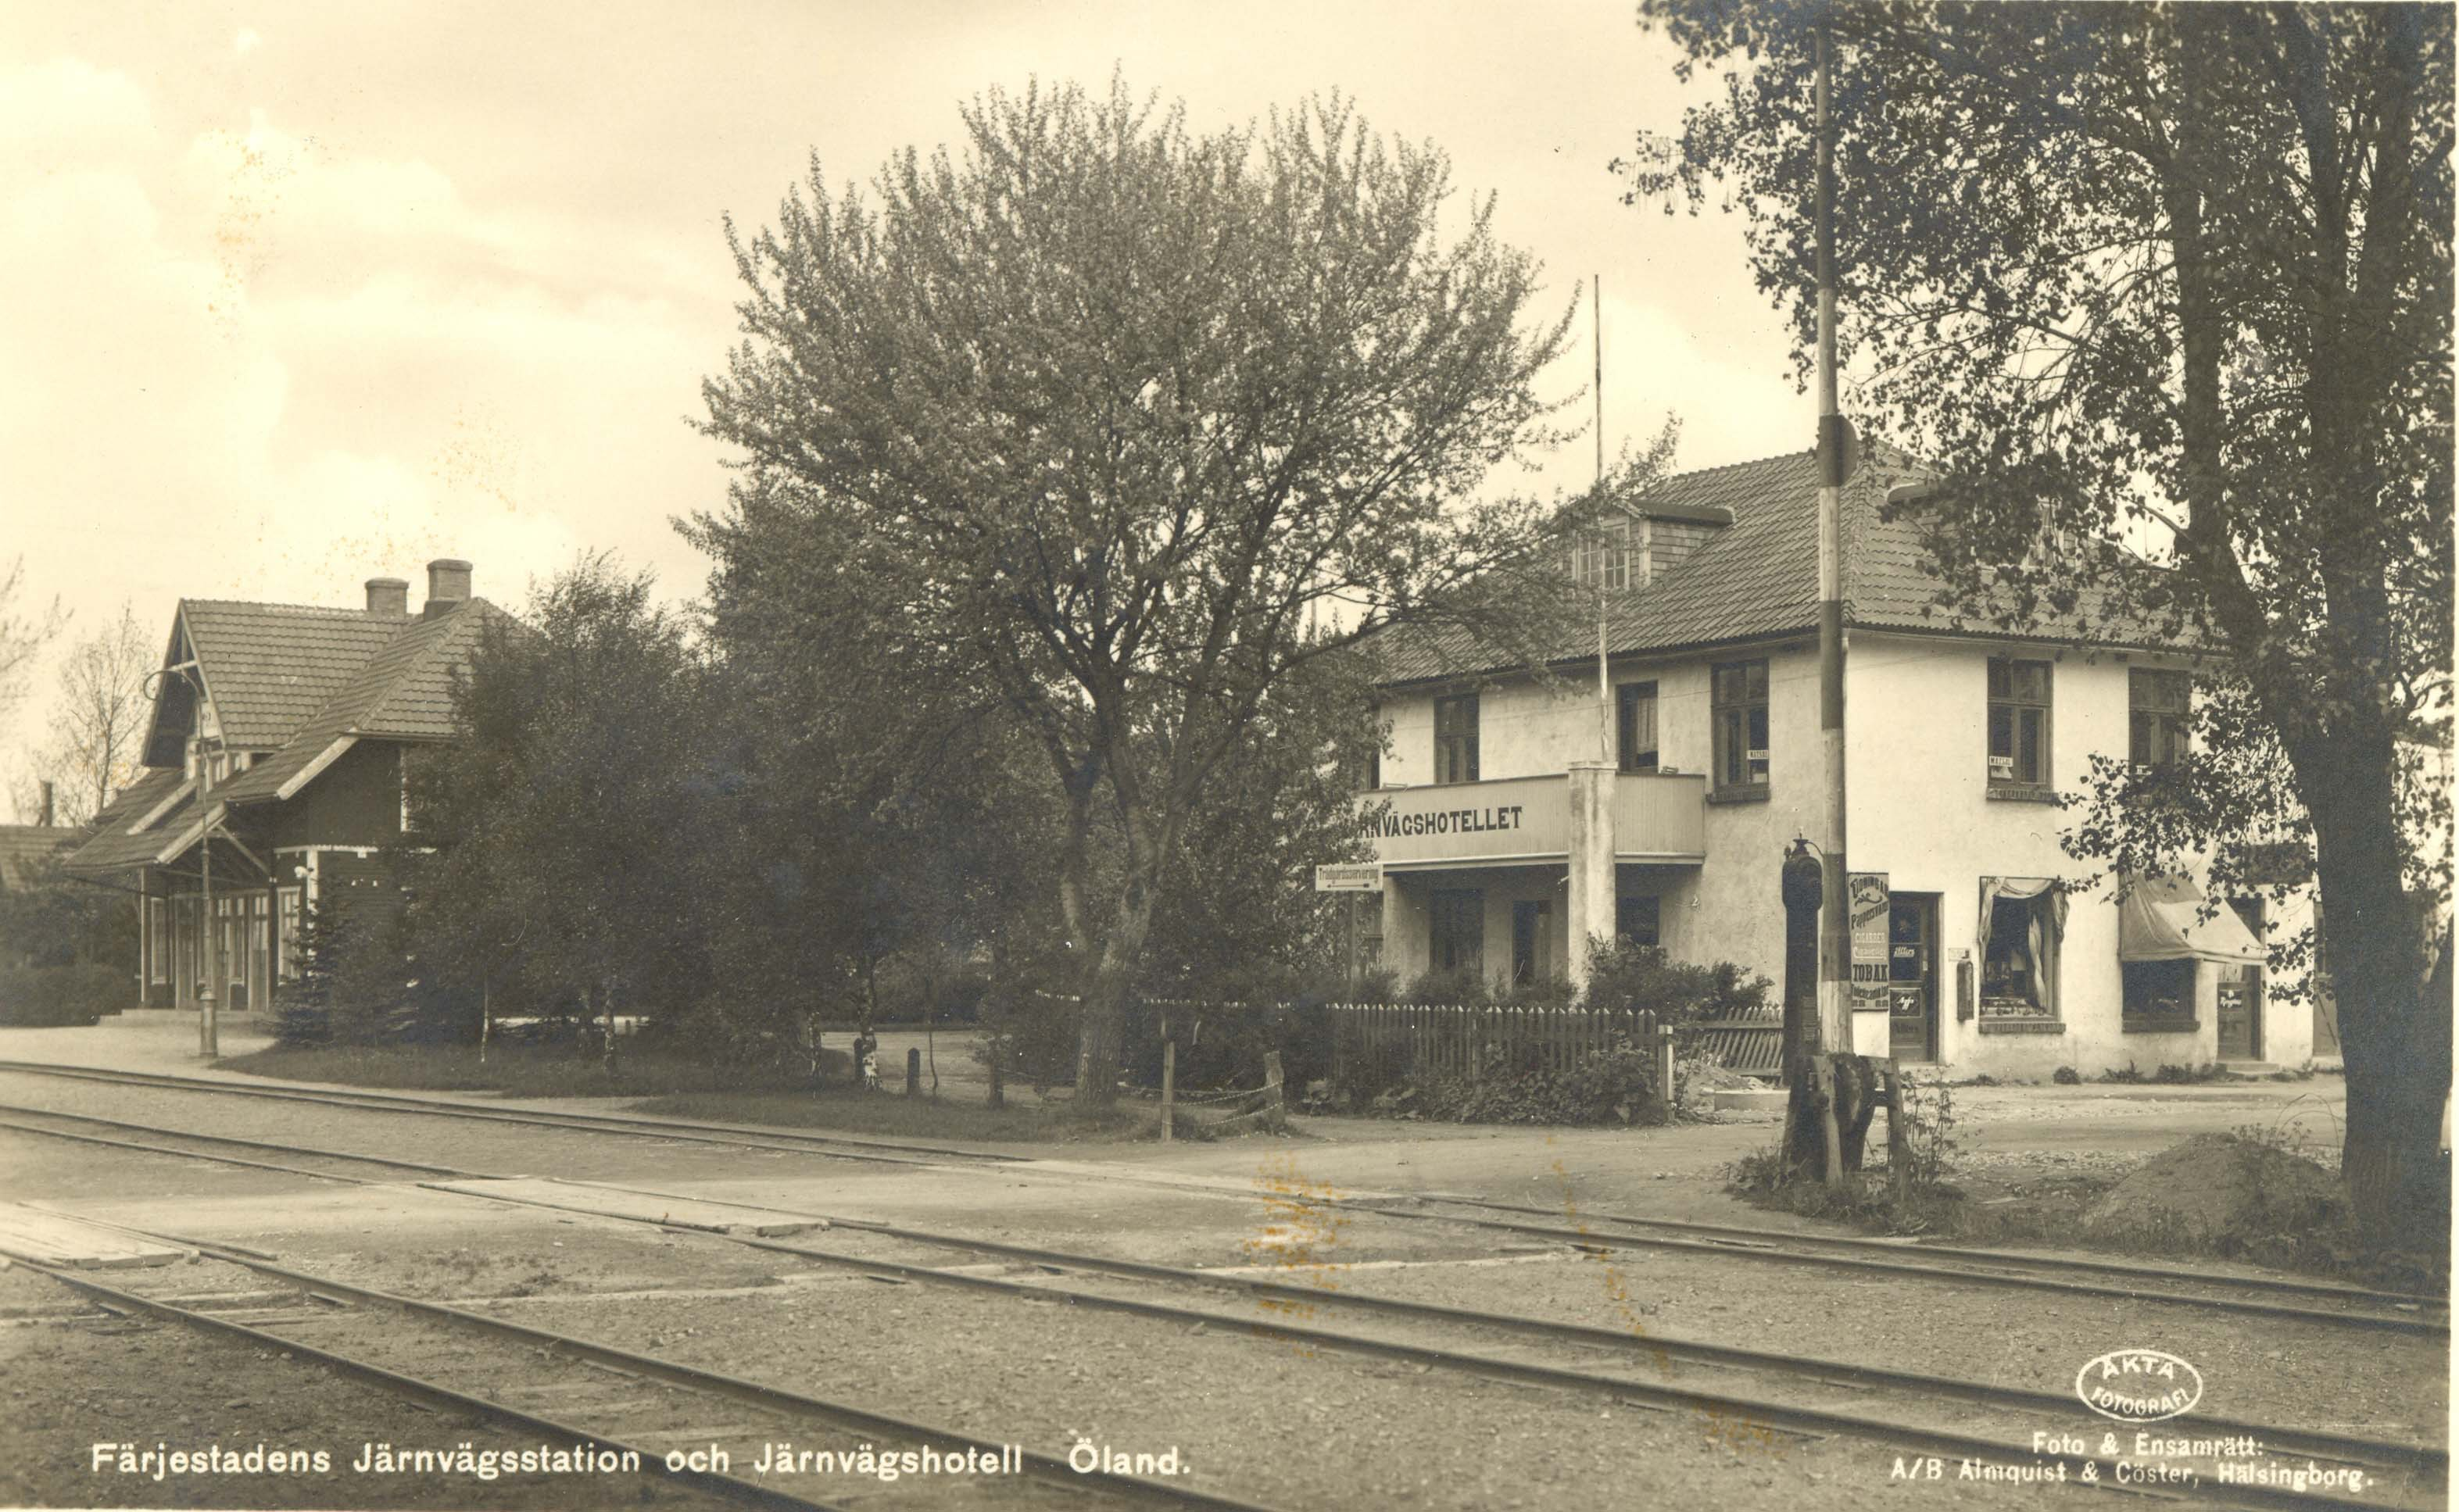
(1526, 821)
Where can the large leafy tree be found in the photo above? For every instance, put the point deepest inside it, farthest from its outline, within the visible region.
(2169, 288)
(1112, 409)
(565, 836)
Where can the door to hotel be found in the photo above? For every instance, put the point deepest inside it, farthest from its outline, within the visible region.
(2239, 1012)
(1528, 929)
(1912, 977)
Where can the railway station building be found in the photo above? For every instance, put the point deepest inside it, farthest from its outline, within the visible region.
(1513, 818)
(274, 776)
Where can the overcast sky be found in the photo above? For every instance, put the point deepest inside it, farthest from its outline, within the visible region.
(292, 295)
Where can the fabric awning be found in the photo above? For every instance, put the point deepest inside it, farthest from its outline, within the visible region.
(2160, 921)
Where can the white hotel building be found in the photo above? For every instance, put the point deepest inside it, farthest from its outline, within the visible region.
(1505, 829)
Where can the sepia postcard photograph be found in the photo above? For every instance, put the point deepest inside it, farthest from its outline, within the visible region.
(1278, 757)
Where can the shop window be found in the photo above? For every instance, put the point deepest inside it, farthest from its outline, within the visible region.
(1456, 932)
(1602, 558)
(1635, 726)
(2022, 921)
(2158, 996)
(1455, 738)
(1635, 919)
(2019, 726)
(1738, 704)
(2157, 707)
(287, 936)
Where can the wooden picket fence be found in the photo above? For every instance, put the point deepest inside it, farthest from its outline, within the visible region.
(1377, 1044)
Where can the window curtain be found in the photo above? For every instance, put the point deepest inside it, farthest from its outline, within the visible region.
(2044, 933)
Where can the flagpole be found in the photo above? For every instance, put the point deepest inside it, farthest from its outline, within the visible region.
(1605, 682)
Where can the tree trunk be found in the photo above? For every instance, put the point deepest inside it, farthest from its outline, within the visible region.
(2394, 1033)
(1101, 1031)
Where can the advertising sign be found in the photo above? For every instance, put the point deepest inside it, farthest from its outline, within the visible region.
(1865, 905)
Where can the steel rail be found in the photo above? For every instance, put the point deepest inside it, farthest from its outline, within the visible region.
(684, 1130)
(1766, 1245)
(1047, 1469)
(432, 1393)
(1757, 1412)
(420, 1166)
(1771, 1252)
(1998, 1257)
(2314, 1443)
(2317, 1442)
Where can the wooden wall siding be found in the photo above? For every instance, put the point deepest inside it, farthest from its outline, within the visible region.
(354, 802)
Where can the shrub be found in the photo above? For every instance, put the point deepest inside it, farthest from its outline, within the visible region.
(1614, 1086)
(2067, 1076)
(38, 995)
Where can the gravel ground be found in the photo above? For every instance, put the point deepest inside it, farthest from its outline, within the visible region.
(77, 1384)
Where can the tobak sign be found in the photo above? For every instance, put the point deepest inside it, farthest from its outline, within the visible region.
(1865, 905)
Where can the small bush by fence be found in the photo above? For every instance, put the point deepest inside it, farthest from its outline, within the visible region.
(1375, 1045)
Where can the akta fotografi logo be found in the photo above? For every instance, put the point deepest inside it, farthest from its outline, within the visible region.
(2136, 1385)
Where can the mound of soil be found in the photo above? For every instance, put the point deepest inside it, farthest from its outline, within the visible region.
(2216, 1185)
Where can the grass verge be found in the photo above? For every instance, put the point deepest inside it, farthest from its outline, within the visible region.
(514, 1069)
(672, 1087)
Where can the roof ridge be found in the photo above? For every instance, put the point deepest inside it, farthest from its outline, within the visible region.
(1730, 466)
(337, 612)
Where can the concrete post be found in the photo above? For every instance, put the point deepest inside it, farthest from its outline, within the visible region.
(1590, 910)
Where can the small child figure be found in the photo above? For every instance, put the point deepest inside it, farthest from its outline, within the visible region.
(866, 1057)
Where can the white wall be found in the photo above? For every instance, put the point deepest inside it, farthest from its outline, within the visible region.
(1916, 714)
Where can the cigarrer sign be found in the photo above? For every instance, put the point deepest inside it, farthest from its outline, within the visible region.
(2138, 1385)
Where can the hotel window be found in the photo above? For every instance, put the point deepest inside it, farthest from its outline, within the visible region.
(2024, 922)
(1635, 918)
(1456, 932)
(2019, 725)
(2157, 704)
(1635, 725)
(1739, 708)
(1601, 559)
(2157, 995)
(1455, 738)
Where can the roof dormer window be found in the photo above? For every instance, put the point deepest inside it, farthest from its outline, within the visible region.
(1605, 558)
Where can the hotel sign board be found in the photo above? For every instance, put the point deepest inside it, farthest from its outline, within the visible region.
(1349, 876)
(1865, 905)
(1511, 819)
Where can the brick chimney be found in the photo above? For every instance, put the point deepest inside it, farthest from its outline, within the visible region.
(388, 597)
(447, 585)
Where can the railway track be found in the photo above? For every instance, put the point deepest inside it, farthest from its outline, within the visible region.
(2248, 1296)
(636, 1405)
(1813, 1395)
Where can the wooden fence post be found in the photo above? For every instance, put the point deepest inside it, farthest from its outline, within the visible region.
(1665, 1064)
(1169, 1085)
(1275, 1113)
(913, 1071)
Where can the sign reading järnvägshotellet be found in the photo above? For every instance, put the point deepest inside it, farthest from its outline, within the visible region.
(1349, 877)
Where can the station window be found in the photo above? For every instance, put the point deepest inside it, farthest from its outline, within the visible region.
(1635, 918)
(1635, 726)
(1739, 708)
(2019, 725)
(1455, 738)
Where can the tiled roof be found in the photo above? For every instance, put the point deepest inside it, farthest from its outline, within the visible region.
(404, 692)
(271, 668)
(111, 847)
(23, 851)
(1756, 579)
